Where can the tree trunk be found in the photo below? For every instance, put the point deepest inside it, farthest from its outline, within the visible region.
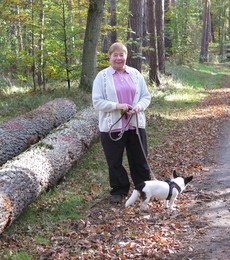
(18, 134)
(41, 62)
(92, 35)
(144, 28)
(65, 38)
(44, 164)
(222, 30)
(19, 30)
(135, 35)
(111, 36)
(113, 20)
(33, 48)
(205, 32)
(160, 35)
(153, 56)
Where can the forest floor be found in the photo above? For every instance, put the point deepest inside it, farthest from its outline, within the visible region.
(200, 228)
(198, 145)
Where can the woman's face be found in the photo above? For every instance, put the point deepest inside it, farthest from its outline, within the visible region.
(118, 60)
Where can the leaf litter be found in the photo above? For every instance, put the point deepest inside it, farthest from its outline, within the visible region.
(114, 232)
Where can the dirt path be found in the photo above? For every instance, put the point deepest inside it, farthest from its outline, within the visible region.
(212, 206)
(216, 243)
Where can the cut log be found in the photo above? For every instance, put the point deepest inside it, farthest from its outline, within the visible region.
(18, 134)
(44, 164)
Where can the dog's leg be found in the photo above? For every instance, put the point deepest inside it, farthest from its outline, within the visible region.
(166, 204)
(144, 204)
(171, 203)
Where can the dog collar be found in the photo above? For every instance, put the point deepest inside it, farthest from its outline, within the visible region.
(172, 185)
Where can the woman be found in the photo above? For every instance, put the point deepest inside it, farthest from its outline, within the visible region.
(121, 90)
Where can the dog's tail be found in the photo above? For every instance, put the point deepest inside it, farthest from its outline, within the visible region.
(135, 195)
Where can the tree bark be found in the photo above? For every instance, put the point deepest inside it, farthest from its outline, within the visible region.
(41, 41)
(92, 36)
(44, 164)
(111, 36)
(205, 33)
(135, 35)
(18, 134)
(66, 47)
(160, 35)
(153, 54)
(34, 65)
(113, 20)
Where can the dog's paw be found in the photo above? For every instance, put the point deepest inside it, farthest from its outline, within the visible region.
(166, 204)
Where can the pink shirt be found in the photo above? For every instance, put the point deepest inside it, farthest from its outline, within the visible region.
(125, 89)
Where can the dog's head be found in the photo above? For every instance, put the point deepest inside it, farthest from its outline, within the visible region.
(186, 180)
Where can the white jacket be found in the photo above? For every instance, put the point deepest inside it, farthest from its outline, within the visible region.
(105, 98)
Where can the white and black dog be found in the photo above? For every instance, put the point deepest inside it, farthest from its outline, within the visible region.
(162, 190)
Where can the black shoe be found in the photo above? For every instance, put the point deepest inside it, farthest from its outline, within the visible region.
(116, 199)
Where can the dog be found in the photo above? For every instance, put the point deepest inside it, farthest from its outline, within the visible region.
(163, 190)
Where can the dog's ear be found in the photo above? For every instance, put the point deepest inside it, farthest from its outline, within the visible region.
(187, 179)
(175, 175)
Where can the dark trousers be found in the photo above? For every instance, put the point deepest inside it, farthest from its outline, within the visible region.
(138, 165)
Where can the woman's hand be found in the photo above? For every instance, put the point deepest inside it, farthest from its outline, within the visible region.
(136, 109)
(124, 107)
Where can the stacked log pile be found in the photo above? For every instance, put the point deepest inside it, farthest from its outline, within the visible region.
(18, 134)
(44, 164)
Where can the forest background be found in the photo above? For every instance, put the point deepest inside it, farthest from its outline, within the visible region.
(45, 42)
(54, 49)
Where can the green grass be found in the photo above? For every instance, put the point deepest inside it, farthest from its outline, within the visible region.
(185, 88)
(88, 180)
(14, 255)
(198, 75)
(68, 200)
(19, 100)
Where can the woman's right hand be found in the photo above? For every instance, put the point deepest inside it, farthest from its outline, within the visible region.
(124, 107)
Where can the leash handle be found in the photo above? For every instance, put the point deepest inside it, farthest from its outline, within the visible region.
(122, 130)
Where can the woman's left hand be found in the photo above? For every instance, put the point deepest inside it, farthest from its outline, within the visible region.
(134, 110)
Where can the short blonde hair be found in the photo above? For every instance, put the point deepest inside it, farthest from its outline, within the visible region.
(117, 46)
